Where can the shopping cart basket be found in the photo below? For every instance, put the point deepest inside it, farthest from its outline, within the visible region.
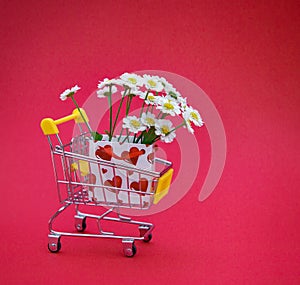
(78, 175)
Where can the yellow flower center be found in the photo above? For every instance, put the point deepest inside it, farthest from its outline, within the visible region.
(150, 97)
(132, 80)
(135, 123)
(152, 83)
(194, 115)
(169, 106)
(150, 121)
(165, 130)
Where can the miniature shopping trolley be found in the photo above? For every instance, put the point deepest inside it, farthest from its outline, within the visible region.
(106, 180)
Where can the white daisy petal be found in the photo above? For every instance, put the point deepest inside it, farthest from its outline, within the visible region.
(75, 88)
(168, 106)
(153, 83)
(103, 83)
(107, 82)
(68, 92)
(189, 127)
(105, 91)
(133, 124)
(167, 86)
(193, 115)
(163, 128)
(169, 138)
(132, 80)
(148, 119)
(149, 97)
(183, 103)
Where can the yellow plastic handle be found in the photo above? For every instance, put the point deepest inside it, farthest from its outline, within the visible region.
(49, 126)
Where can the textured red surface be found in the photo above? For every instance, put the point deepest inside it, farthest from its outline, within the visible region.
(243, 54)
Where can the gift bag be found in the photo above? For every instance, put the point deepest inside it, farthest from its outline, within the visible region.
(124, 184)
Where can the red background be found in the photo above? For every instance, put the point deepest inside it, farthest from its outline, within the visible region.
(243, 54)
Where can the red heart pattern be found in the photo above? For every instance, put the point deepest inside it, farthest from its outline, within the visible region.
(133, 155)
(115, 182)
(142, 185)
(105, 153)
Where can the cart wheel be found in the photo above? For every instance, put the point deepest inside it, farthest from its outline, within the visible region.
(147, 238)
(143, 230)
(129, 249)
(54, 247)
(130, 252)
(80, 224)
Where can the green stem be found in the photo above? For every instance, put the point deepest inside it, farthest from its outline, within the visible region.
(162, 115)
(156, 139)
(120, 134)
(134, 137)
(127, 136)
(144, 103)
(88, 126)
(140, 136)
(110, 113)
(117, 116)
(179, 126)
(128, 103)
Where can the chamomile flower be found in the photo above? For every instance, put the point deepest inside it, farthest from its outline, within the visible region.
(69, 92)
(148, 119)
(105, 91)
(167, 86)
(183, 103)
(75, 89)
(107, 82)
(163, 128)
(132, 80)
(169, 89)
(133, 124)
(150, 98)
(193, 115)
(153, 83)
(174, 95)
(64, 95)
(168, 106)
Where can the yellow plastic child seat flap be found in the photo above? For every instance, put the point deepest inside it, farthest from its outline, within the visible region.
(163, 186)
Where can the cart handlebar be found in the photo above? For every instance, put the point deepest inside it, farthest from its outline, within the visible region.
(49, 126)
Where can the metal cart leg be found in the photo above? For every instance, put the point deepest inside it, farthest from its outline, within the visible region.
(54, 244)
(80, 223)
(145, 232)
(80, 220)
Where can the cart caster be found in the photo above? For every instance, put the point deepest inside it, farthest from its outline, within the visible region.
(80, 223)
(54, 244)
(143, 233)
(147, 238)
(129, 248)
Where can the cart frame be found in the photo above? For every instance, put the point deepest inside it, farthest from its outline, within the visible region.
(74, 190)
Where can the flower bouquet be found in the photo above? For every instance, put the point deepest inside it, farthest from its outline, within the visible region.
(142, 116)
